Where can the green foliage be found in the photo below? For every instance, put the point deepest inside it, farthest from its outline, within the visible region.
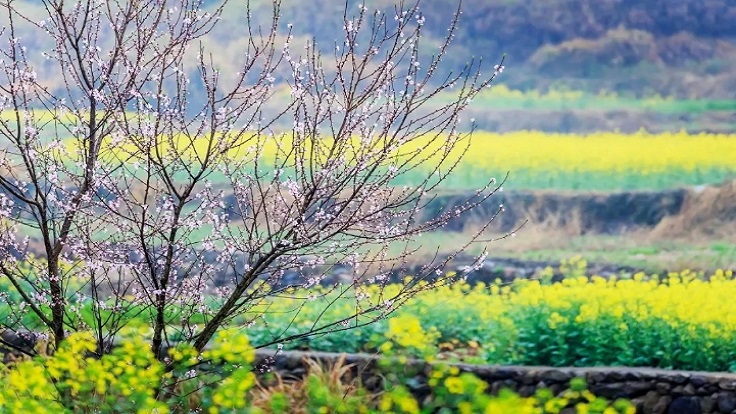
(323, 397)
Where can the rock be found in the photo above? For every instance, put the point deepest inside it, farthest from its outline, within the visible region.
(727, 385)
(526, 391)
(611, 391)
(596, 377)
(634, 376)
(505, 384)
(726, 402)
(698, 380)
(419, 387)
(708, 405)
(650, 391)
(712, 388)
(18, 341)
(636, 388)
(293, 362)
(638, 404)
(685, 405)
(557, 389)
(616, 376)
(530, 379)
(373, 383)
(661, 406)
(504, 373)
(686, 390)
(558, 376)
(706, 389)
(510, 384)
(649, 401)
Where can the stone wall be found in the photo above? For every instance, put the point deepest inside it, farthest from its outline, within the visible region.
(651, 390)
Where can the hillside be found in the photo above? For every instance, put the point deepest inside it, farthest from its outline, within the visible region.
(572, 65)
(678, 48)
(675, 48)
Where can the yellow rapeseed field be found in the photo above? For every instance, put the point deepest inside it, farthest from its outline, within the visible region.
(598, 161)
(602, 160)
(605, 151)
(641, 152)
(682, 320)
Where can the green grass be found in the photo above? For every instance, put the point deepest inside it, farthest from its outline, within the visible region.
(470, 178)
(653, 257)
(500, 97)
(634, 250)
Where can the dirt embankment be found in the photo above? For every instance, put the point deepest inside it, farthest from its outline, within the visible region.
(707, 210)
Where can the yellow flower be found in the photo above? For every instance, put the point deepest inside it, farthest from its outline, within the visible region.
(465, 407)
(555, 320)
(409, 405)
(407, 332)
(454, 385)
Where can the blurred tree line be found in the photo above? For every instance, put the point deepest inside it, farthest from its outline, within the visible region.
(678, 48)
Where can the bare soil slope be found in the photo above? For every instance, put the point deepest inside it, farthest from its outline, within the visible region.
(710, 211)
(704, 211)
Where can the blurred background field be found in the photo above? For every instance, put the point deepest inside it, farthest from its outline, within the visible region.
(614, 119)
(605, 161)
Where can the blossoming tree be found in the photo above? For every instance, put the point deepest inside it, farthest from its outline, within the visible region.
(140, 182)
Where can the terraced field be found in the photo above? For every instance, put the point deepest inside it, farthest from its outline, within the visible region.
(600, 161)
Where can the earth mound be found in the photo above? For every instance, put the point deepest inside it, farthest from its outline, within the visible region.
(682, 212)
(706, 211)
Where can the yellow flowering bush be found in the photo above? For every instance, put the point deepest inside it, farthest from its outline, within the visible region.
(222, 388)
(130, 379)
(465, 393)
(230, 346)
(406, 332)
(122, 381)
(27, 388)
(399, 400)
(681, 320)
